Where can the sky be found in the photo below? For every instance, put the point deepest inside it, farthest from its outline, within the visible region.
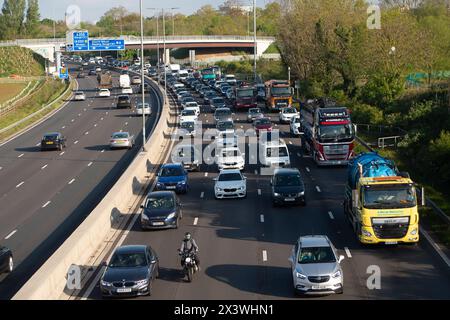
(92, 10)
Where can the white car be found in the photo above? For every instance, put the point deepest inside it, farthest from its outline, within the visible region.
(104, 93)
(196, 109)
(191, 104)
(286, 114)
(230, 184)
(127, 90)
(316, 266)
(181, 94)
(274, 153)
(136, 80)
(188, 115)
(226, 140)
(230, 79)
(230, 158)
(146, 110)
(295, 126)
(79, 96)
(188, 127)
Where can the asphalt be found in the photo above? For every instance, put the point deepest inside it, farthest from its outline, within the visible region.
(232, 239)
(44, 196)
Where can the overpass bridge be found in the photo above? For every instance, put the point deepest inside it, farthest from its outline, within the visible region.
(48, 47)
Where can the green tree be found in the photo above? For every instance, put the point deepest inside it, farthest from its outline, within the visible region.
(33, 17)
(12, 19)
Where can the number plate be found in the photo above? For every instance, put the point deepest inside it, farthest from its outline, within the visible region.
(289, 199)
(158, 223)
(171, 188)
(391, 242)
(318, 287)
(49, 142)
(124, 290)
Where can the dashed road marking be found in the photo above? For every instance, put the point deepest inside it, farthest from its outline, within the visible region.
(86, 133)
(195, 221)
(331, 215)
(347, 252)
(21, 155)
(90, 164)
(46, 204)
(101, 118)
(202, 195)
(259, 192)
(10, 235)
(290, 142)
(261, 218)
(264, 255)
(307, 169)
(71, 181)
(63, 127)
(95, 125)
(75, 142)
(126, 123)
(62, 153)
(72, 120)
(318, 189)
(206, 174)
(102, 151)
(18, 186)
(42, 168)
(37, 145)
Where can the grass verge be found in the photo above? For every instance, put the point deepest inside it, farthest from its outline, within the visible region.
(10, 90)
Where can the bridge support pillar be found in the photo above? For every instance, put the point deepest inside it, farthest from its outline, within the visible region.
(167, 56)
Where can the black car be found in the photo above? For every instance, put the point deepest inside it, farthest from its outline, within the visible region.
(130, 272)
(92, 72)
(123, 101)
(209, 95)
(287, 187)
(53, 140)
(6, 260)
(218, 102)
(146, 88)
(162, 209)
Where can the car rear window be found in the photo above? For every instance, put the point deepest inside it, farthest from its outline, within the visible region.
(172, 172)
(120, 136)
(230, 177)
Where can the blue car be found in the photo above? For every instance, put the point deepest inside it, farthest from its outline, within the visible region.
(173, 177)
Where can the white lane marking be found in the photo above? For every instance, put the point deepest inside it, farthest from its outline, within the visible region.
(331, 215)
(86, 133)
(307, 169)
(259, 192)
(62, 153)
(103, 151)
(264, 254)
(46, 204)
(63, 127)
(21, 155)
(84, 109)
(75, 142)
(202, 195)
(436, 247)
(79, 114)
(242, 127)
(206, 174)
(256, 172)
(95, 125)
(107, 112)
(207, 121)
(290, 142)
(42, 168)
(72, 120)
(126, 123)
(347, 252)
(37, 145)
(195, 221)
(299, 155)
(71, 181)
(18, 186)
(90, 164)
(1, 168)
(262, 218)
(318, 189)
(101, 118)
(10, 235)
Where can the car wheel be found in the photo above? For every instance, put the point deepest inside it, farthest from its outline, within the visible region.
(340, 291)
(10, 264)
(150, 287)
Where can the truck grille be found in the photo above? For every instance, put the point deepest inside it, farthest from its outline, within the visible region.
(336, 152)
(123, 284)
(319, 279)
(282, 102)
(390, 231)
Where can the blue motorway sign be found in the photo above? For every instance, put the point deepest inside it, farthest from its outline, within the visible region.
(81, 41)
(106, 45)
(63, 73)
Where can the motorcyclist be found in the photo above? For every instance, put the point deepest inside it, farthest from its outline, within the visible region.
(189, 245)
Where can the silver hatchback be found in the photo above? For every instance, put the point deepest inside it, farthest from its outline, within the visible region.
(121, 140)
(316, 267)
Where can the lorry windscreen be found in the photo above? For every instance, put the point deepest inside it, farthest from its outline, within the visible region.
(387, 196)
(281, 91)
(246, 93)
(343, 132)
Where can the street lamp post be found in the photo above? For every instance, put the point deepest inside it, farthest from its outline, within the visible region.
(165, 56)
(254, 39)
(142, 78)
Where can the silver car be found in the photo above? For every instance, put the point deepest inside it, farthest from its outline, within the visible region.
(316, 266)
(79, 96)
(254, 114)
(121, 140)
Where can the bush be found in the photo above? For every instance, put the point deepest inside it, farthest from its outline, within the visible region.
(367, 114)
(439, 153)
(382, 90)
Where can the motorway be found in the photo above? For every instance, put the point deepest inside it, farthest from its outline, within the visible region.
(44, 196)
(245, 244)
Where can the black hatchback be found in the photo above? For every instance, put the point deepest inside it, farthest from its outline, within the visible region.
(6, 260)
(130, 272)
(123, 101)
(161, 210)
(288, 187)
(52, 141)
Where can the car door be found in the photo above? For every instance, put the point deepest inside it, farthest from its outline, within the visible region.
(151, 264)
(293, 256)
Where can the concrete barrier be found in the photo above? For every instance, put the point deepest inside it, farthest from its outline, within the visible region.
(49, 282)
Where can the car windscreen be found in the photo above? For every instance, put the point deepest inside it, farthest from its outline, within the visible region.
(160, 203)
(316, 255)
(230, 177)
(289, 110)
(139, 106)
(128, 260)
(277, 152)
(230, 153)
(255, 111)
(120, 136)
(188, 113)
(223, 112)
(288, 180)
(124, 98)
(218, 100)
(263, 121)
(225, 125)
(172, 172)
(187, 125)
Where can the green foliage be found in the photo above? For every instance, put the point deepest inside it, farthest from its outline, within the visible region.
(366, 114)
(33, 17)
(383, 90)
(20, 61)
(12, 19)
(440, 155)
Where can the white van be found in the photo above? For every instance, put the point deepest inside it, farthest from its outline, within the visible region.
(124, 81)
(183, 75)
(274, 153)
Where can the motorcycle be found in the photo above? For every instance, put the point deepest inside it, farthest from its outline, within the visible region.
(190, 266)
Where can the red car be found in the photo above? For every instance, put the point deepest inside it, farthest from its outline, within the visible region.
(263, 124)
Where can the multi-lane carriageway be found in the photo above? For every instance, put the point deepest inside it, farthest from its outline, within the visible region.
(45, 195)
(245, 244)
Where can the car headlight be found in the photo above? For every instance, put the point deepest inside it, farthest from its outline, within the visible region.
(242, 188)
(276, 194)
(159, 184)
(142, 282)
(105, 284)
(414, 231)
(144, 216)
(171, 216)
(219, 189)
(182, 182)
(300, 276)
(300, 194)
(337, 274)
(366, 233)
